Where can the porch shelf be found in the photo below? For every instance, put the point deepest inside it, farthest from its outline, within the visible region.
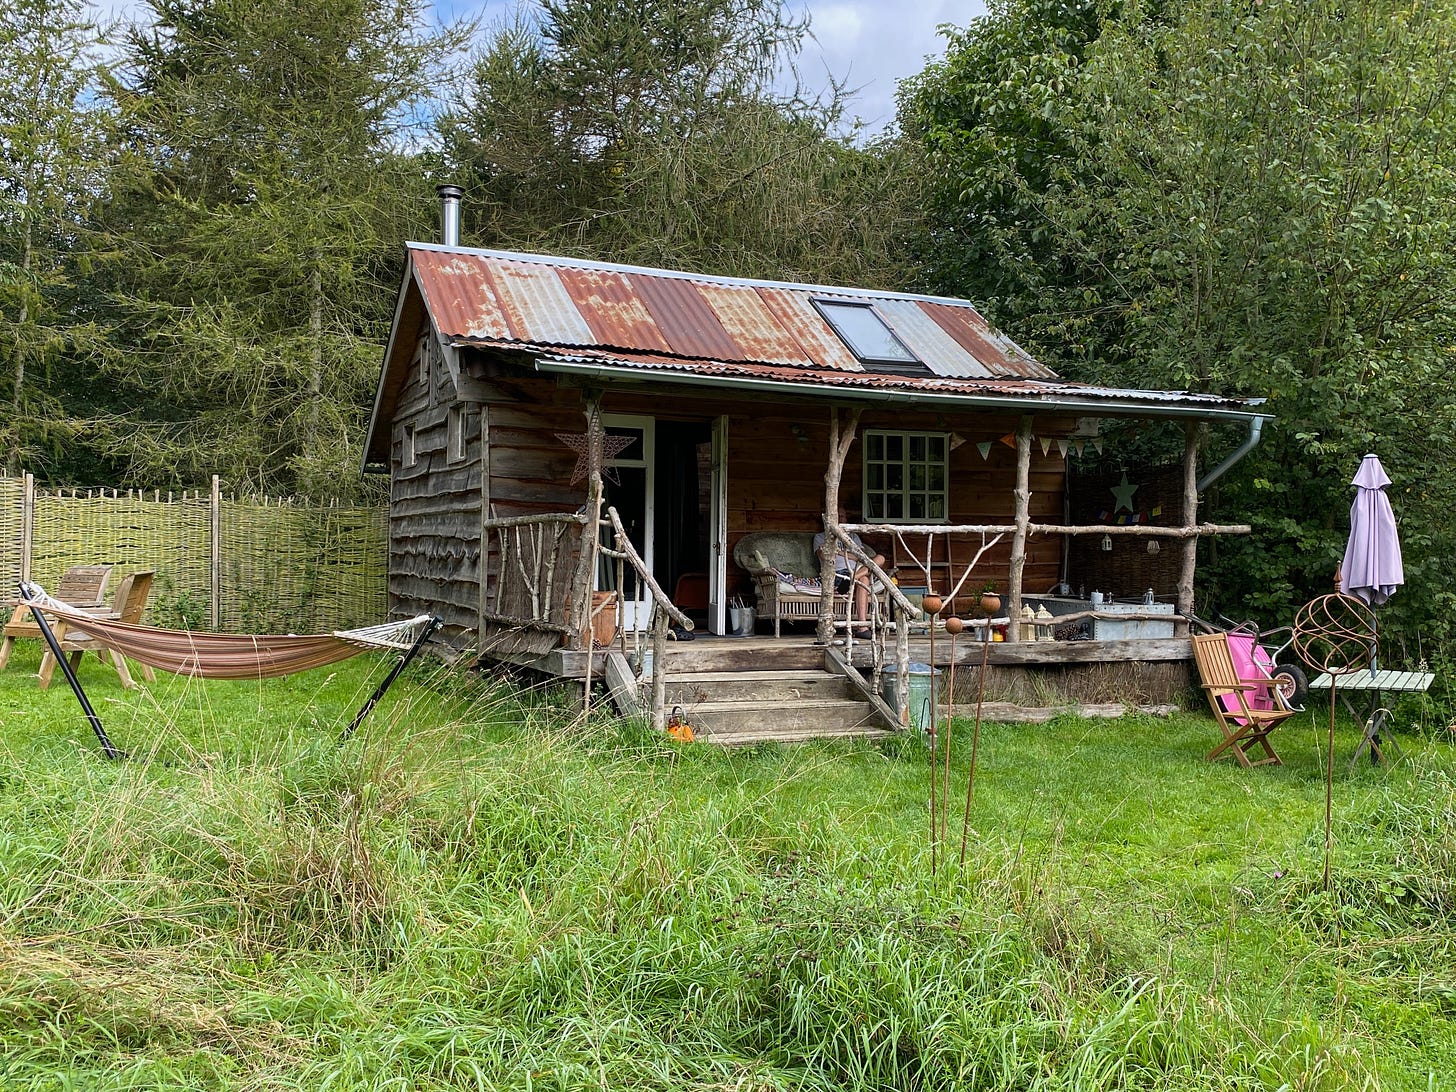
(1050, 529)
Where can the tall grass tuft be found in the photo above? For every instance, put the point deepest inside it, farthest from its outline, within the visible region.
(485, 891)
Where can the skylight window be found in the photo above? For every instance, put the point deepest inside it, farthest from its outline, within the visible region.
(868, 336)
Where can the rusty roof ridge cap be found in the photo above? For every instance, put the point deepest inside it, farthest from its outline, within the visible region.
(684, 275)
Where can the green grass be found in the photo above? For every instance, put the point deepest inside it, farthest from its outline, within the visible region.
(483, 892)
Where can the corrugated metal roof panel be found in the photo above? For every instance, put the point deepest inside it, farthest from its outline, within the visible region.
(992, 348)
(685, 319)
(752, 326)
(612, 308)
(929, 341)
(459, 295)
(819, 342)
(537, 305)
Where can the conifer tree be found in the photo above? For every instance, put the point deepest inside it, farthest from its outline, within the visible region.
(275, 170)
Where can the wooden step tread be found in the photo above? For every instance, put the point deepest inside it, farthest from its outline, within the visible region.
(800, 704)
(793, 674)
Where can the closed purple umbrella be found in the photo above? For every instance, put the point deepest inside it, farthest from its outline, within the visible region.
(1371, 570)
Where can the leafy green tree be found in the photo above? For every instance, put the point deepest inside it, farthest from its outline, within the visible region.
(1247, 199)
(52, 136)
(256, 227)
(654, 133)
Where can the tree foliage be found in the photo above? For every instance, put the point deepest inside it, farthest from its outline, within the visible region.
(53, 135)
(656, 133)
(256, 226)
(1250, 199)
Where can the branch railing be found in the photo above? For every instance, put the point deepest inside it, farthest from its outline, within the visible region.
(533, 587)
(664, 612)
(877, 623)
(1185, 532)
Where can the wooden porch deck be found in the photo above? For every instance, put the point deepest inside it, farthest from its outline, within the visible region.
(739, 690)
(747, 652)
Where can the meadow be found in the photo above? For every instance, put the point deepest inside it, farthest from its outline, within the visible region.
(482, 891)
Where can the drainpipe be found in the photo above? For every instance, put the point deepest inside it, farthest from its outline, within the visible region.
(1251, 441)
(449, 213)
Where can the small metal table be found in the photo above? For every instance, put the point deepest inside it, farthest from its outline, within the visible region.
(1374, 683)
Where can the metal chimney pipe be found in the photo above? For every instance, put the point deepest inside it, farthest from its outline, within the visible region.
(449, 213)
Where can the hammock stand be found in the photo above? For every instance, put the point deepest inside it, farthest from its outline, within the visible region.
(218, 655)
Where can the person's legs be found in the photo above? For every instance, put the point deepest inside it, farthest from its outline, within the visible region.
(862, 594)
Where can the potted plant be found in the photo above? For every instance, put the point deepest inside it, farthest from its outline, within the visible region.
(990, 600)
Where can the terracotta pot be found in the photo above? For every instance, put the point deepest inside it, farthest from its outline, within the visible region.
(990, 603)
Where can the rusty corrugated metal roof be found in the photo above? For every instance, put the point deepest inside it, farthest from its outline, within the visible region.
(1010, 388)
(536, 300)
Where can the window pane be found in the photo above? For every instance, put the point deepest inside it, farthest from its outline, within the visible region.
(937, 507)
(917, 476)
(894, 448)
(636, 449)
(894, 478)
(937, 448)
(864, 331)
(875, 506)
(917, 448)
(917, 505)
(894, 506)
(936, 478)
(874, 446)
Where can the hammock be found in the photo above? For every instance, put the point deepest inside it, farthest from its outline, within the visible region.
(228, 655)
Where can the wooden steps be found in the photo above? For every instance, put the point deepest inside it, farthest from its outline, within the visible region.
(734, 696)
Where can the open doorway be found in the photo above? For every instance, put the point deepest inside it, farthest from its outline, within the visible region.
(662, 486)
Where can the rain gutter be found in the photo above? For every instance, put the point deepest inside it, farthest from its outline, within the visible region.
(1251, 441)
(1084, 406)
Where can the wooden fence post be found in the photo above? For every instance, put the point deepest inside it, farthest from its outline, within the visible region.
(215, 533)
(27, 525)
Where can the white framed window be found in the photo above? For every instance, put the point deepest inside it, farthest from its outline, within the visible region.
(408, 456)
(906, 477)
(455, 434)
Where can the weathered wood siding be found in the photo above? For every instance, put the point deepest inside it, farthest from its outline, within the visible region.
(778, 451)
(434, 504)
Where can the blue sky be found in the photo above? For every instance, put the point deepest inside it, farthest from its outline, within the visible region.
(869, 44)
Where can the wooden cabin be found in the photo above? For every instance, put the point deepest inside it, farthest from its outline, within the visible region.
(527, 402)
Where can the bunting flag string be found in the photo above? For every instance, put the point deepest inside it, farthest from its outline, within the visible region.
(1063, 444)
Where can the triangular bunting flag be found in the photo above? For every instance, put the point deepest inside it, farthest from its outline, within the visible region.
(1062, 448)
(1097, 446)
(1079, 446)
(984, 448)
(1046, 444)
(1009, 439)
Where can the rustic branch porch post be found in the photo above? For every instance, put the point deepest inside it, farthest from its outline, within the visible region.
(586, 558)
(840, 442)
(1022, 500)
(1193, 433)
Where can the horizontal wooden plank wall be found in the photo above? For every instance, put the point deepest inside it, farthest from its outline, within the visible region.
(778, 452)
(434, 505)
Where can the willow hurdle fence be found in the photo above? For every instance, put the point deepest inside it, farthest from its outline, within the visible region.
(227, 563)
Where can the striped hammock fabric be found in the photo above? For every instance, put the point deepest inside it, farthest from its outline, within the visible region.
(228, 655)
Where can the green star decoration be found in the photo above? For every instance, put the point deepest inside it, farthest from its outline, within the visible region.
(1123, 493)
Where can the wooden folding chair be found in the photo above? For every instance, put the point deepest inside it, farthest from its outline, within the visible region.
(1244, 726)
(80, 586)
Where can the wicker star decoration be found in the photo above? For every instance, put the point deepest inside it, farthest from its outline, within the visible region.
(612, 446)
